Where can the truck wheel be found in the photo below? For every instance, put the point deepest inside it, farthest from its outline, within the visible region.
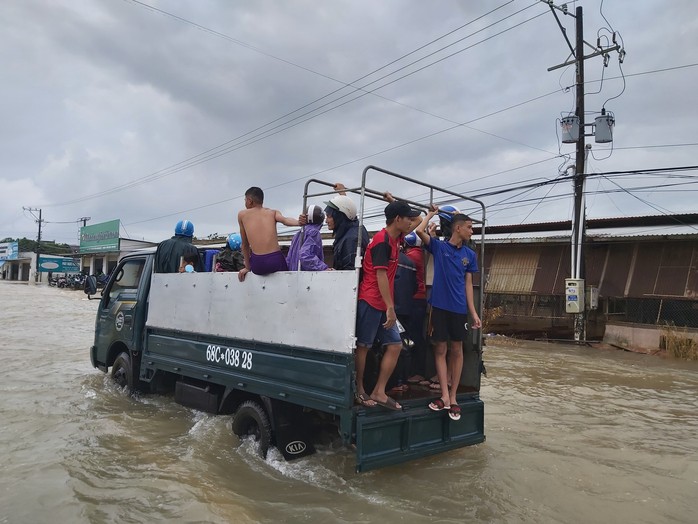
(251, 420)
(122, 372)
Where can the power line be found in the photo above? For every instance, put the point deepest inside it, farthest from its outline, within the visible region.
(185, 164)
(294, 64)
(229, 147)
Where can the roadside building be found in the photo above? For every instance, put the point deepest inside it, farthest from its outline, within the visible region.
(641, 275)
(104, 261)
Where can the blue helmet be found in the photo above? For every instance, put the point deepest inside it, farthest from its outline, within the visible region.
(235, 241)
(446, 212)
(412, 239)
(184, 228)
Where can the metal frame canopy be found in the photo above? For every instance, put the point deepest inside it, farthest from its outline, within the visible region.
(434, 192)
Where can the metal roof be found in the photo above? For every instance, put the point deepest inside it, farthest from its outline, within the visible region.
(616, 233)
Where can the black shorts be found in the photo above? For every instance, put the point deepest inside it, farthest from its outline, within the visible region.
(447, 325)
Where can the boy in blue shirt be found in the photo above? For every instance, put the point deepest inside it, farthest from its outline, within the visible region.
(451, 299)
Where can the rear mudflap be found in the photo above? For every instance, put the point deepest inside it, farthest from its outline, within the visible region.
(292, 429)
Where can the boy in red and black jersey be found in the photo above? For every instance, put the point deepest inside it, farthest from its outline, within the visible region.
(375, 317)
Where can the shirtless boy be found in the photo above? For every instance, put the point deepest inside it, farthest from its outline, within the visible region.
(260, 245)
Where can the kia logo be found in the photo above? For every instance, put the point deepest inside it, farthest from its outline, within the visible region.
(119, 321)
(295, 447)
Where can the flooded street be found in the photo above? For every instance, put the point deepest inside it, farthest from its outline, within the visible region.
(574, 435)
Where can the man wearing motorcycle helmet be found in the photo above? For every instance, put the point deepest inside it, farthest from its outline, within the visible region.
(169, 252)
(230, 257)
(341, 220)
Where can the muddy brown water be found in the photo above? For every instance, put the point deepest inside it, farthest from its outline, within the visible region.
(573, 435)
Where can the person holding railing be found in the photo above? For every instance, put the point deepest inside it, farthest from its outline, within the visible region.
(307, 254)
(260, 244)
(451, 300)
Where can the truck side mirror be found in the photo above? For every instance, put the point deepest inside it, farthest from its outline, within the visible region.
(90, 286)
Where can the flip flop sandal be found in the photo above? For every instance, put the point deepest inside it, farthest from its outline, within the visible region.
(364, 400)
(454, 412)
(389, 403)
(438, 405)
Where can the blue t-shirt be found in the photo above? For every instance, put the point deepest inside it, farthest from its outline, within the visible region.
(450, 266)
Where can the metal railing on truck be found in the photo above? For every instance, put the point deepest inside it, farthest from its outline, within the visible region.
(386, 438)
(434, 193)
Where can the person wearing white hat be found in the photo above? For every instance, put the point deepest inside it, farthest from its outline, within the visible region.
(341, 220)
(308, 256)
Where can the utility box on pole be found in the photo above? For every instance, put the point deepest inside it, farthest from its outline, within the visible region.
(574, 295)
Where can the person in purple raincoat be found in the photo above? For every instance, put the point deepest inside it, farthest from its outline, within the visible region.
(309, 254)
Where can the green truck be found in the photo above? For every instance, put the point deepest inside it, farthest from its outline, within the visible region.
(275, 352)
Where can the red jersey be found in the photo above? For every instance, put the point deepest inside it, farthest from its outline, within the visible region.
(417, 257)
(381, 253)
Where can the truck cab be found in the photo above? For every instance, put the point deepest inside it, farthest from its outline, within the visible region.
(275, 352)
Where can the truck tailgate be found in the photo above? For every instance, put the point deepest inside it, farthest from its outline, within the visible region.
(385, 438)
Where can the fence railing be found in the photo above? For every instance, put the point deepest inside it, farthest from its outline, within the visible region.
(656, 311)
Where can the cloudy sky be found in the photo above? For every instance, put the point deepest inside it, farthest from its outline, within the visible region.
(155, 111)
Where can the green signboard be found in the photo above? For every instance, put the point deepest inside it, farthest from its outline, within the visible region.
(59, 265)
(100, 237)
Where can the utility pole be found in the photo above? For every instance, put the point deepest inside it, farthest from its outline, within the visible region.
(579, 226)
(84, 220)
(575, 286)
(38, 240)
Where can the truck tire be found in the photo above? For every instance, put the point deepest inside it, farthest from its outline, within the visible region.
(122, 371)
(251, 420)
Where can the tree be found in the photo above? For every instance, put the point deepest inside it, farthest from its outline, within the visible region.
(48, 247)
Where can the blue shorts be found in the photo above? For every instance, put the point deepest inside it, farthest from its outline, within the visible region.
(369, 327)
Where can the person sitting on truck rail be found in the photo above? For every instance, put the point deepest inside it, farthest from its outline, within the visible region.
(308, 256)
(375, 317)
(260, 245)
(169, 252)
(341, 220)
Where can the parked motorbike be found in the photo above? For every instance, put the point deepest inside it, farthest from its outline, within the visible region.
(77, 281)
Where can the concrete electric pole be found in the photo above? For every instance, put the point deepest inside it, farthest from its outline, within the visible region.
(575, 288)
(37, 251)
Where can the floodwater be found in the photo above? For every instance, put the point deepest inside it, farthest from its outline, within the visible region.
(574, 435)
